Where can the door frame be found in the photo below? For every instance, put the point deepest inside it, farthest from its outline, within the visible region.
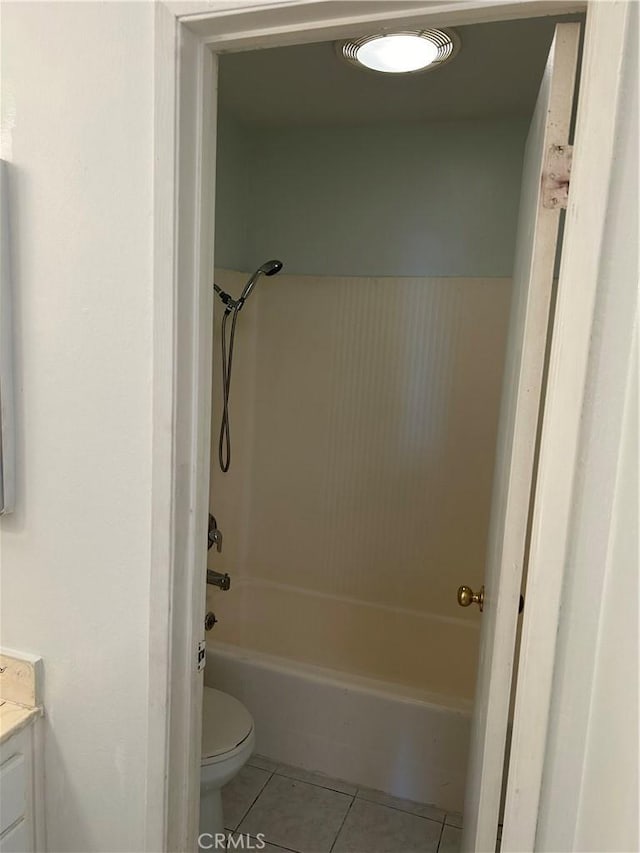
(187, 37)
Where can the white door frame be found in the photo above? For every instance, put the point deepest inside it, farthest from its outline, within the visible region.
(187, 35)
(578, 279)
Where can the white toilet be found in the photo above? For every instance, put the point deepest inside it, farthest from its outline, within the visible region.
(227, 742)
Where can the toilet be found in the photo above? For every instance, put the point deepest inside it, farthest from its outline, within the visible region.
(227, 742)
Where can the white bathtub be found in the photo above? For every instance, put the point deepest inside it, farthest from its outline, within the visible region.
(369, 732)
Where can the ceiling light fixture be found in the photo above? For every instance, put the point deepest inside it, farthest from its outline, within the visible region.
(401, 53)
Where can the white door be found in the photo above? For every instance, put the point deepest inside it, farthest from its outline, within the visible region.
(529, 322)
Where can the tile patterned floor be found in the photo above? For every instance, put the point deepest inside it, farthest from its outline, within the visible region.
(307, 812)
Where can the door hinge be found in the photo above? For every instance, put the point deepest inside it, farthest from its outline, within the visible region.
(201, 656)
(556, 176)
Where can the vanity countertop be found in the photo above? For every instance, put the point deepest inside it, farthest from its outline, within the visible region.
(20, 702)
(14, 717)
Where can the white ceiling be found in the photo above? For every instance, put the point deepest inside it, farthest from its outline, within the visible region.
(496, 73)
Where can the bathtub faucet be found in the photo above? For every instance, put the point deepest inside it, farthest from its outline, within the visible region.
(215, 538)
(219, 579)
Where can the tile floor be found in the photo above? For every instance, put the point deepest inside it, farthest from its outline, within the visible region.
(309, 813)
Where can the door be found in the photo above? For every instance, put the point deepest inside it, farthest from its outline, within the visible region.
(543, 184)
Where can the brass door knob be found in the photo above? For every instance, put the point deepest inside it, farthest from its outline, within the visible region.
(467, 596)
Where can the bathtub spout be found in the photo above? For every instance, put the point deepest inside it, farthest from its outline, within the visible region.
(219, 579)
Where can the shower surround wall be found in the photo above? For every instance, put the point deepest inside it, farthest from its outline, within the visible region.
(363, 414)
(364, 408)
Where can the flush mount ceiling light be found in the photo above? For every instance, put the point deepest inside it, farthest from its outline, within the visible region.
(401, 53)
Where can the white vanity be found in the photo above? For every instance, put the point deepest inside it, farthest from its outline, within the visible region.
(21, 754)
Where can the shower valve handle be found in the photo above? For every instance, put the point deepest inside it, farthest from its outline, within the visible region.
(215, 534)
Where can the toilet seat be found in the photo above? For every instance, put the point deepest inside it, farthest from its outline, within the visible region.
(226, 725)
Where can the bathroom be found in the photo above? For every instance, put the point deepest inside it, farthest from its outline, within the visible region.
(361, 424)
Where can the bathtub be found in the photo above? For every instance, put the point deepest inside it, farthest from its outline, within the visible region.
(351, 705)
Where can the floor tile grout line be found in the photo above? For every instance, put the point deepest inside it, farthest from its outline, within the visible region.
(344, 820)
(260, 767)
(253, 802)
(440, 837)
(315, 784)
(280, 770)
(399, 809)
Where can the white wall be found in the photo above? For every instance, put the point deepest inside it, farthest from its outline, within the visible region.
(590, 785)
(413, 199)
(77, 109)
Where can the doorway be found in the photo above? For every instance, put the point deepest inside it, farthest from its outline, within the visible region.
(190, 357)
(366, 396)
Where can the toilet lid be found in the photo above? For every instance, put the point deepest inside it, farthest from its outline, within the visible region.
(225, 723)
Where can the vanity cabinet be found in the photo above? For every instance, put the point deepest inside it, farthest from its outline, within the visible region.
(20, 791)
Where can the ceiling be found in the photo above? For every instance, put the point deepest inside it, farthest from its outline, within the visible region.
(496, 73)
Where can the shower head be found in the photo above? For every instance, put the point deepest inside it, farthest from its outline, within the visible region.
(271, 267)
(268, 268)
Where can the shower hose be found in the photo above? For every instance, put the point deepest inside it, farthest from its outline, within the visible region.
(224, 442)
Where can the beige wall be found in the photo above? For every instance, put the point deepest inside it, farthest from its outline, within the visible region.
(364, 415)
